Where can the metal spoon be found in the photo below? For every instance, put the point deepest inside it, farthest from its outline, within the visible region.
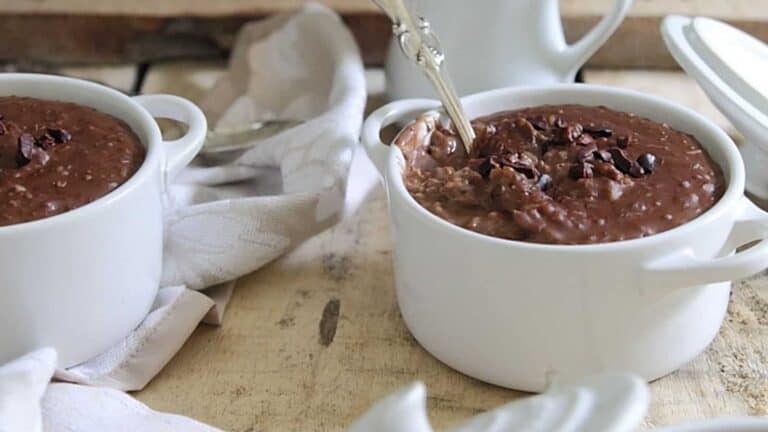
(421, 45)
(225, 145)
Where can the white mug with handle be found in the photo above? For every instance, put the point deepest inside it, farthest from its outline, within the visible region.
(499, 43)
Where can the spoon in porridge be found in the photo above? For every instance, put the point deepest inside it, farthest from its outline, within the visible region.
(420, 45)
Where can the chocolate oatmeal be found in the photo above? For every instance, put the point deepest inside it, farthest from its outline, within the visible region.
(57, 156)
(567, 174)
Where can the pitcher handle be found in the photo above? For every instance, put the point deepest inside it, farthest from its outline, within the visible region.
(574, 56)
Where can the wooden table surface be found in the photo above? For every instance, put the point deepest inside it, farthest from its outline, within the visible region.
(311, 340)
(151, 30)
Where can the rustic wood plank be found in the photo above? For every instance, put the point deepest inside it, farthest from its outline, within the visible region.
(672, 85)
(736, 9)
(146, 30)
(177, 7)
(638, 42)
(190, 79)
(121, 77)
(310, 341)
(130, 39)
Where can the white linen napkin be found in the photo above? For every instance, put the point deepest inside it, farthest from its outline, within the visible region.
(222, 222)
(226, 221)
(28, 403)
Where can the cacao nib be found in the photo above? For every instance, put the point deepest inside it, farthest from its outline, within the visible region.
(620, 160)
(586, 153)
(648, 162)
(544, 182)
(604, 155)
(26, 143)
(539, 123)
(482, 165)
(636, 170)
(60, 136)
(571, 133)
(581, 170)
(525, 169)
(599, 132)
(523, 166)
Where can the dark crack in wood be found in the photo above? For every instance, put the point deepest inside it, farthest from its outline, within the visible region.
(329, 321)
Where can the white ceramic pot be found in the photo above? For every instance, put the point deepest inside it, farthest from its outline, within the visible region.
(82, 280)
(513, 313)
(499, 43)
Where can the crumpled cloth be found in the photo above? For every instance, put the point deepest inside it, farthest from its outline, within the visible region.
(605, 403)
(29, 403)
(222, 222)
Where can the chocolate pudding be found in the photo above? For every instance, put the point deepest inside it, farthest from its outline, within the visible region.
(566, 174)
(58, 156)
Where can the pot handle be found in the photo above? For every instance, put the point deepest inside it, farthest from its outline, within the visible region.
(377, 151)
(685, 269)
(179, 152)
(574, 56)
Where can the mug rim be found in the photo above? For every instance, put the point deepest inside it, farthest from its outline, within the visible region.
(734, 191)
(126, 103)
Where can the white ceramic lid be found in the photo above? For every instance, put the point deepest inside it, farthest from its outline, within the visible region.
(732, 69)
(605, 403)
(729, 64)
(739, 59)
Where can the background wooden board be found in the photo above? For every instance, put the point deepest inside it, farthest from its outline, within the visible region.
(273, 366)
(725, 9)
(44, 32)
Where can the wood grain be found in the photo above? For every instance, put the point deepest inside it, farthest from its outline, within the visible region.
(112, 31)
(310, 341)
(733, 9)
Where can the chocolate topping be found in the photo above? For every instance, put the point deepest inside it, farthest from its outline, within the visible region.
(565, 174)
(648, 162)
(624, 164)
(599, 132)
(581, 170)
(57, 156)
(60, 136)
(544, 181)
(25, 148)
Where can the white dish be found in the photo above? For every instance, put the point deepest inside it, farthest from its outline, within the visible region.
(512, 313)
(603, 403)
(727, 64)
(82, 280)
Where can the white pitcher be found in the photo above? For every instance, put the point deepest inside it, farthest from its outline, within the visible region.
(499, 43)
